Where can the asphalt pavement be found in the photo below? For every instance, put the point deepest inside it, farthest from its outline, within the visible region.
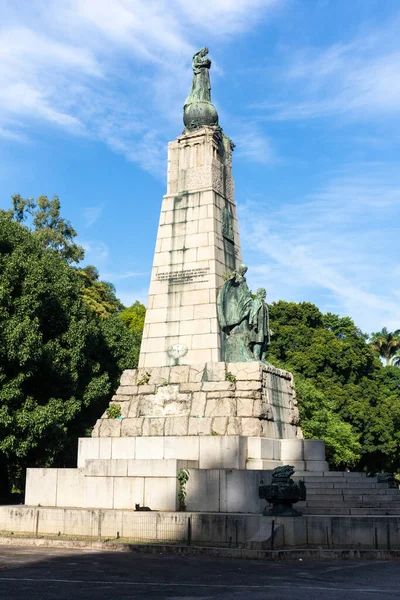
(61, 574)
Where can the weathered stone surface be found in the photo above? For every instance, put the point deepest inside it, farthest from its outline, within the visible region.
(245, 407)
(176, 426)
(127, 390)
(96, 428)
(128, 377)
(216, 371)
(133, 408)
(262, 393)
(147, 389)
(245, 371)
(219, 426)
(251, 394)
(153, 426)
(233, 426)
(110, 427)
(218, 386)
(198, 404)
(179, 374)
(197, 372)
(200, 426)
(132, 427)
(251, 427)
(220, 408)
(190, 387)
(249, 385)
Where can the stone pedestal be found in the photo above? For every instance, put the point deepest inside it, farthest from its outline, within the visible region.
(246, 399)
(197, 245)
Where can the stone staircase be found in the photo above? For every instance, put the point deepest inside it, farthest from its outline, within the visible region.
(342, 493)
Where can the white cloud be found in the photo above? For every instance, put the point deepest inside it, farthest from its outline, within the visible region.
(329, 248)
(91, 214)
(96, 252)
(357, 79)
(107, 70)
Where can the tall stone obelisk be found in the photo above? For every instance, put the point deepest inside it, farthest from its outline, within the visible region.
(198, 239)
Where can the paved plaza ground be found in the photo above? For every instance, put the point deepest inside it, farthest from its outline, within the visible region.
(55, 574)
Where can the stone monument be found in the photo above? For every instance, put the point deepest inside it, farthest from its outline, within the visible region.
(204, 398)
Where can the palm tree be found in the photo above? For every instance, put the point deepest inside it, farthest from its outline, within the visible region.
(396, 360)
(387, 345)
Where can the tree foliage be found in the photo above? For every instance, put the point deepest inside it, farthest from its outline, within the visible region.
(59, 360)
(99, 295)
(51, 230)
(387, 345)
(346, 396)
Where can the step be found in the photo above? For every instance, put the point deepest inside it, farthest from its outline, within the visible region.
(354, 491)
(329, 474)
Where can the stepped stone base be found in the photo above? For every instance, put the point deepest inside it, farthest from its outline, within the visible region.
(247, 399)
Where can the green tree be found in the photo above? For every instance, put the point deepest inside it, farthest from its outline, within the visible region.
(344, 391)
(59, 362)
(386, 344)
(52, 230)
(133, 317)
(99, 295)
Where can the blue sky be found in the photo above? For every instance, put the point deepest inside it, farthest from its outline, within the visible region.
(309, 90)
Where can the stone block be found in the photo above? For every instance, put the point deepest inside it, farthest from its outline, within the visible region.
(190, 388)
(161, 493)
(182, 447)
(87, 448)
(262, 448)
(128, 377)
(177, 426)
(153, 426)
(150, 447)
(132, 427)
(239, 491)
(106, 468)
(245, 371)
(99, 492)
(70, 487)
(199, 426)
(244, 407)
(222, 452)
(316, 465)
(198, 404)
(133, 408)
(202, 490)
(105, 447)
(197, 372)
(179, 374)
(219, 426)
(41, 487)
(249, 385)
(220, 408)
(292, 450)
(122, 447)
(128, 491)
(158, 468)
(96, 429)
(233, 427)
(127, 390)
(251, 427)
(314, 450)
(110, 428)
(217, 386)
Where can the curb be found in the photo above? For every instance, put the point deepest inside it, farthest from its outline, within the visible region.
(272, 555)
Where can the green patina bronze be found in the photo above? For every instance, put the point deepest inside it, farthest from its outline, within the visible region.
(282, 493)
(244, 322)
(198, 109)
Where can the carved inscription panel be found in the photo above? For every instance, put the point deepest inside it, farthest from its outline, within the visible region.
(199, 275)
